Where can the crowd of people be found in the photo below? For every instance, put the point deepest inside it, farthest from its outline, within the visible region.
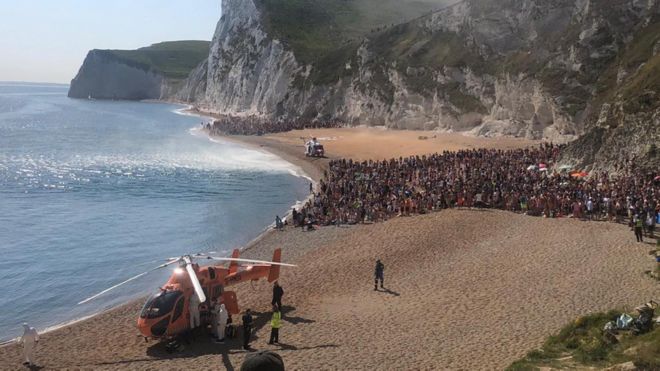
(253, 125)
(517, 180)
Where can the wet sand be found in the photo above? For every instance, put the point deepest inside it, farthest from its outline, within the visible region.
(465, 289)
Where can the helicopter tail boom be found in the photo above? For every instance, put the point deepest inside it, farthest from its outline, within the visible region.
(274, 272)
(233, 265)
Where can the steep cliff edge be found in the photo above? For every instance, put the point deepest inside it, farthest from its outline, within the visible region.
(154, 72)
(526, 68)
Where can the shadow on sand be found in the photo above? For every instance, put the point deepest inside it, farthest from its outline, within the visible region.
(283, 346)
(388, 291)
(199, 342)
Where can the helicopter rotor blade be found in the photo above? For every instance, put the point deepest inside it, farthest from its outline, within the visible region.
(195, 281)
(251, 261)
(128, 280)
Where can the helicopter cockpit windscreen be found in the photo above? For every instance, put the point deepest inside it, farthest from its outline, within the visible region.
(160, 304)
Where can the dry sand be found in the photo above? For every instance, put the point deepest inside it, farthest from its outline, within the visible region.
(373, 143)
(466, 289)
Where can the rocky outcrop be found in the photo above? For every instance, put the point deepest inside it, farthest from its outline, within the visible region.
(103, 76)
(527, 68)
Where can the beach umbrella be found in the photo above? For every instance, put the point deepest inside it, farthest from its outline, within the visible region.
(543, 169)
(542, 166)
(657, 179)
(579, 174)
(531, 167)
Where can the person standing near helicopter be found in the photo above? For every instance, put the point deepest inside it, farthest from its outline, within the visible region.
(278, 292)
(194, 311)
(247, 329)
(275, 323)
(221, 322)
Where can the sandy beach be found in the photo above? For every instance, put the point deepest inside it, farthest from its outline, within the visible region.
(369, 143)
(465, 289)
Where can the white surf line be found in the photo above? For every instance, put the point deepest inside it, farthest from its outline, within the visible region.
(68, 323)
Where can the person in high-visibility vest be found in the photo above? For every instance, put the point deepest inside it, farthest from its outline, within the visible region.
(275, 324)
(638, 224)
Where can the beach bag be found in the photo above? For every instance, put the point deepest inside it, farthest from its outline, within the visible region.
(624, 322)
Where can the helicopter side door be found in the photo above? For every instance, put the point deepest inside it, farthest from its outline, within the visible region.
(179, 321)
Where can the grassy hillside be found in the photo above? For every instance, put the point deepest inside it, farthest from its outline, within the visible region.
(581, 345)
(313, 28)
(175, 59)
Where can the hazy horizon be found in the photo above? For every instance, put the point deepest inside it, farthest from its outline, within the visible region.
(46, 42)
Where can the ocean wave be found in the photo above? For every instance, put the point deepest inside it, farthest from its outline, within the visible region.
(255, 158)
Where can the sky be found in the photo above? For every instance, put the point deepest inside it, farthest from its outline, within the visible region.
(47, 40)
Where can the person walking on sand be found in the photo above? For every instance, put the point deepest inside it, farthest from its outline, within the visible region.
(278, 292)
(247, 329)
(379, 274)
(29, 340)
(637, 225)
(275, 324)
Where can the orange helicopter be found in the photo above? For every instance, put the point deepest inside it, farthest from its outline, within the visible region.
(166, 313)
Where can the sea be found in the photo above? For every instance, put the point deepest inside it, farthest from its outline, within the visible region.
(93, 192)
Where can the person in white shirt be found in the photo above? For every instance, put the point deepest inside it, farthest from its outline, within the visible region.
(220, 322)
(29, 340)
(194, 311)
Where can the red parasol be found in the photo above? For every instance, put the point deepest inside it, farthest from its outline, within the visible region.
(579, 174)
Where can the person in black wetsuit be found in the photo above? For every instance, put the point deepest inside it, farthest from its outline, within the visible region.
(379, 274)
(247, 329)
(278, 292)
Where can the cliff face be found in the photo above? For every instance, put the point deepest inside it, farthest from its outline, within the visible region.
(154, 72)
(248, 72)
(527, 68)
(103, 76)
(551, 69)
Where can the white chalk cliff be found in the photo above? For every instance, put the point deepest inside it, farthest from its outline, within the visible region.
(550, 69)
(559, 47)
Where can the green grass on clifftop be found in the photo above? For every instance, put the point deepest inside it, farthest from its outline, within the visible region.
(314, 28)
(175, 59)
